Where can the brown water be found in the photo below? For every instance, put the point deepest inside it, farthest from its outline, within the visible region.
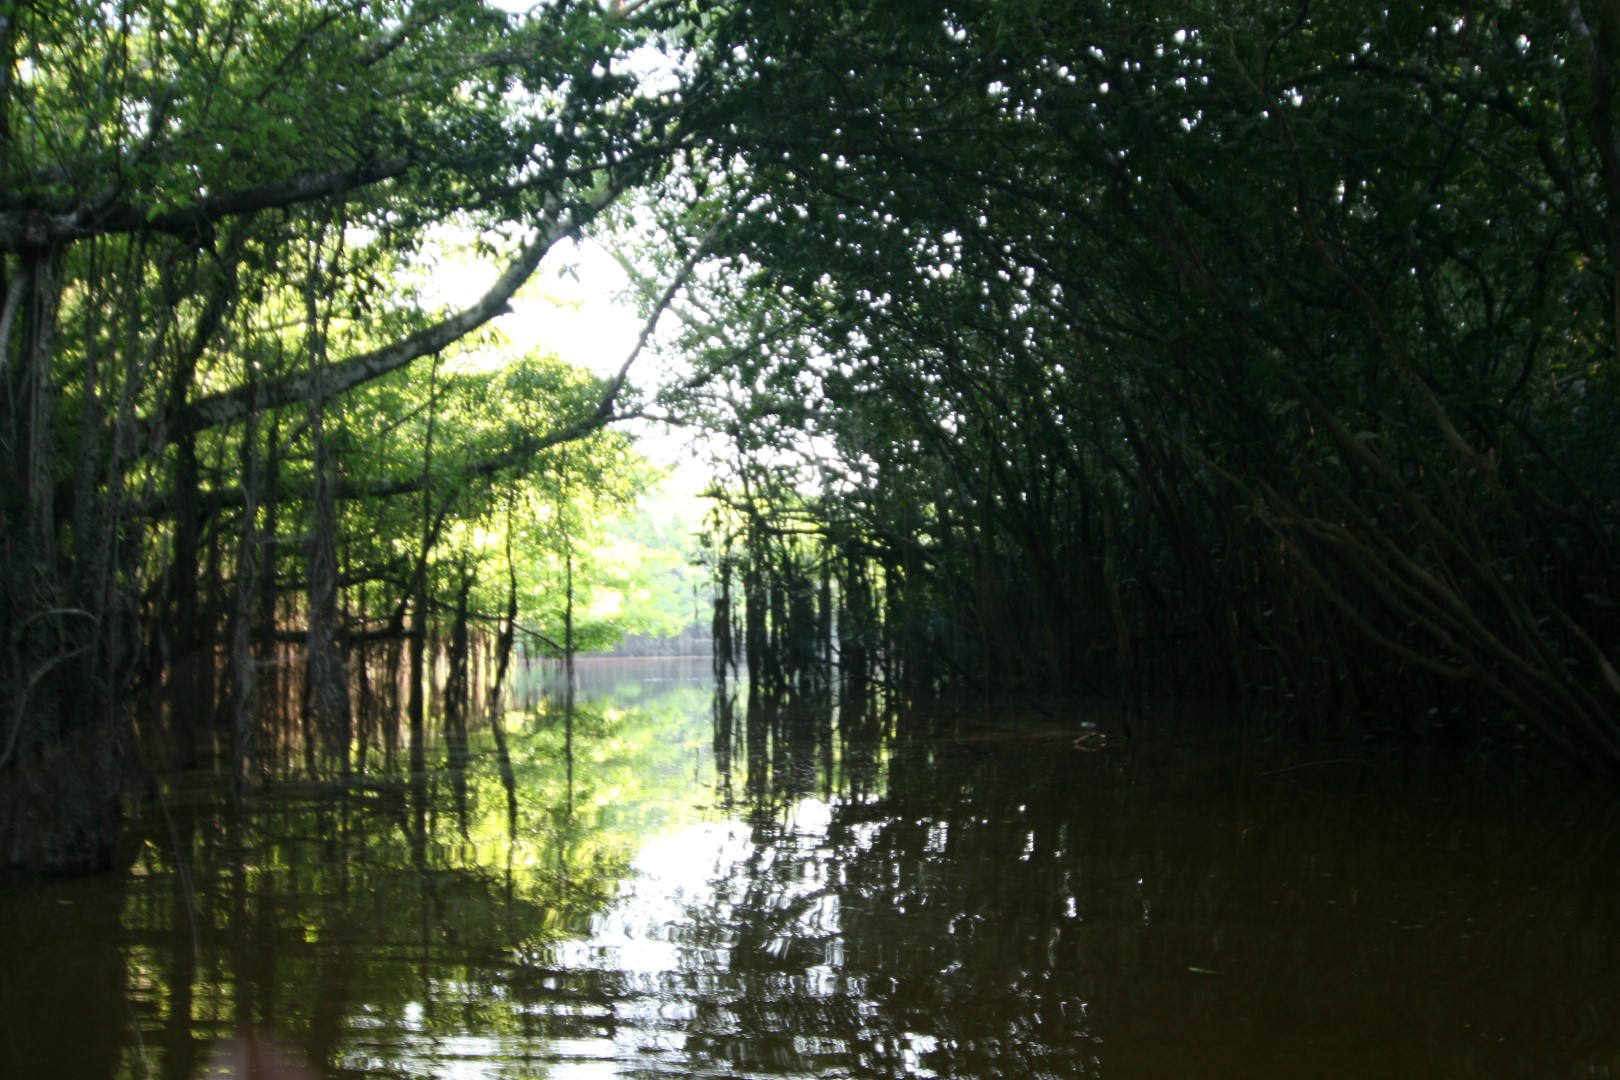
(976, 898)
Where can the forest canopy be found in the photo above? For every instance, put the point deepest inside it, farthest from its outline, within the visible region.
(1262, 350)
(1250, 349)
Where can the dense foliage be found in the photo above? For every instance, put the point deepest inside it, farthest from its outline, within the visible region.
(253, 474)
(1260, 348)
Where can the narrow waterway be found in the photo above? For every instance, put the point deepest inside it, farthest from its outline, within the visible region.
(672, 890)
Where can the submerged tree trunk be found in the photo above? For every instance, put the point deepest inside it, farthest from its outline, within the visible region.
(63, 728)
(458, 678)
(245, 656)
(503, 657)
(328, 672)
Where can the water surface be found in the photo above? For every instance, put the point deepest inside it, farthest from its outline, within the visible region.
(956, 893)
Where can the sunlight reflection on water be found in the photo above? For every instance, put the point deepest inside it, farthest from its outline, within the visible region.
(672, 935)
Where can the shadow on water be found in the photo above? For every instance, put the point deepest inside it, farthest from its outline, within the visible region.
(714, 886)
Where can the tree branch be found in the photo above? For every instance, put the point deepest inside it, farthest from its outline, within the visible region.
(343, 376)
(36, 228)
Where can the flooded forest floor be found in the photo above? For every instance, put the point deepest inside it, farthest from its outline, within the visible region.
(675, 886)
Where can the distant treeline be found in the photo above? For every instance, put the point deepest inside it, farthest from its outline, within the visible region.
(694, 640)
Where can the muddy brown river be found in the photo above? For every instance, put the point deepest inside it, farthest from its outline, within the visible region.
(957, 892)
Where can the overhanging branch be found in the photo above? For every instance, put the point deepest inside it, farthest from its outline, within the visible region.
(231, 405)
(34, 228)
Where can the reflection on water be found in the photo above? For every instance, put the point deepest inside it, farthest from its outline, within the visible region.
(744, 892)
